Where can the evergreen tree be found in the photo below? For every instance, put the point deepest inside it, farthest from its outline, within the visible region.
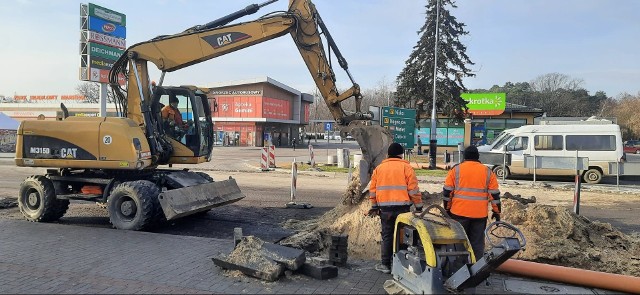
(415, 82)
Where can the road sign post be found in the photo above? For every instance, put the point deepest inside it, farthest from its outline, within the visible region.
(402, 124)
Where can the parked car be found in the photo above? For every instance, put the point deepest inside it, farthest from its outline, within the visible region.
(632, 146)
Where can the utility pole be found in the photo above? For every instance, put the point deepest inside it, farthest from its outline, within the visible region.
(433, 141)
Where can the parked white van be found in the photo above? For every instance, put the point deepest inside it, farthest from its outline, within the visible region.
(601, 143)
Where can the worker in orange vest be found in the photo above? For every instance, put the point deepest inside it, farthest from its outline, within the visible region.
(393, 190)
(468, 189)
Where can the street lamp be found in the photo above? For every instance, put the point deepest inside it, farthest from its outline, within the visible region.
(433, 141)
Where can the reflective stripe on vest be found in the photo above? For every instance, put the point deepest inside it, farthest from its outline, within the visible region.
(458, 189)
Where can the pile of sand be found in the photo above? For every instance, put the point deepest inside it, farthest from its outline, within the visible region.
(555, 235)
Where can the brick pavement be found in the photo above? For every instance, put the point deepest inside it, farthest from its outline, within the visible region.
(54, 258)
(37, 258)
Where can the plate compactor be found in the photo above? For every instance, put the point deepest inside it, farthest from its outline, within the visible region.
(432, 255)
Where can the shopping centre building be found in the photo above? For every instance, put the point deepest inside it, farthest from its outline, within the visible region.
(251, 112)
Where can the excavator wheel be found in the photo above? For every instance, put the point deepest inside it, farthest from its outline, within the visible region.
(37, 200)
(132, 205)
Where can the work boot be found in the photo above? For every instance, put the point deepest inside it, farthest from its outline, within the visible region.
(383, 268)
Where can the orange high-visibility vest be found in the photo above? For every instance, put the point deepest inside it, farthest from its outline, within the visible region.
(394, 183)
(472, 184)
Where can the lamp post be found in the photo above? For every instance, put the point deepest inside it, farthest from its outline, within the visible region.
(433, 141)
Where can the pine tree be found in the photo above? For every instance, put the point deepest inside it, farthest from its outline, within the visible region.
(415, 82)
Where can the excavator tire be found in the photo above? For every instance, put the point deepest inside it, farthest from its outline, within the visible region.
(132, 205)
(37, 200)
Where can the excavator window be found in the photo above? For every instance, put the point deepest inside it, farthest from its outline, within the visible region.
(185, 117)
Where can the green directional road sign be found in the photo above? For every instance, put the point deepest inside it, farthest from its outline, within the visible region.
(402, 124)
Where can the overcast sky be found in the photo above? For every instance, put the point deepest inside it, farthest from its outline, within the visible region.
(509, 40)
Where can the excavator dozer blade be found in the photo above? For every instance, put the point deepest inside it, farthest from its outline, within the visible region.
(188, 200)
(374, 140)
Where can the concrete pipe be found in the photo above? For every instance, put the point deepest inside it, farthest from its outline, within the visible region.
(573, 276)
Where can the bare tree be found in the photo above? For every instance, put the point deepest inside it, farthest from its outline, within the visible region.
(555, 81)
(625, 108)
(91, 92)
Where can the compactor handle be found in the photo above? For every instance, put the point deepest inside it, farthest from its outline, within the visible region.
(490, 230)
(443, 214)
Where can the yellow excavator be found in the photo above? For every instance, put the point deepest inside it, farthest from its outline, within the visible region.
(116, 160)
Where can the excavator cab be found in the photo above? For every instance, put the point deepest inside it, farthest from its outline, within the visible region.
(183, 114)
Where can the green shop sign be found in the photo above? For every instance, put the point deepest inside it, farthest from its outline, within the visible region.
(103, 51)
(485, 104)
(107, 14)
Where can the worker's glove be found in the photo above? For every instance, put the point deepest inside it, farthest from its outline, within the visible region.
(495, 216)
(415, 208)
(374, 211)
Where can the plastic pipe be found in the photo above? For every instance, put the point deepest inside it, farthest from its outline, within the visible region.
(575, 276)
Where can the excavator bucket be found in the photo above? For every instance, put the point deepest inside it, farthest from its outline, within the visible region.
(374, 140)
(197, 196)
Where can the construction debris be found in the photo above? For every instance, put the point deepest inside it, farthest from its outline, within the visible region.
(262, 260)
(6, 203)
(554, 234)
(519, 198)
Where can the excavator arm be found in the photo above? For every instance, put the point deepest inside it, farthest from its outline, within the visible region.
(214, 39)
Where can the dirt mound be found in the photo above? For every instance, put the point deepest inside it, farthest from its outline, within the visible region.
(555, 235)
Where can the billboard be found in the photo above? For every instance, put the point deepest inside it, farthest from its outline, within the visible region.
(485, 104)
(252, 107)
(107, 40)
(107, 14)
(102, 41)
(105, 27)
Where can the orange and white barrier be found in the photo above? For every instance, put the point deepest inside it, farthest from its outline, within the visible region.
(294, 180)
(264, 159)
(312, 160)
(272, 156)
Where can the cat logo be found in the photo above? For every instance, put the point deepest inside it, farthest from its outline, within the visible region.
(68, 153)
(223, 39)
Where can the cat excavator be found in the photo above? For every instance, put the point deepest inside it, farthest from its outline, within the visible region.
(116, 160)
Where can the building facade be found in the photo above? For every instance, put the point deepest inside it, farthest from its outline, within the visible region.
(258, 112)
(478, 129)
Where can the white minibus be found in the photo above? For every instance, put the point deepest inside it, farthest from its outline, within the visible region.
(601, 143)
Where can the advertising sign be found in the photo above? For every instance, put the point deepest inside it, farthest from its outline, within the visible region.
(107, 14)
(102, 76)
(106, 27)
(105, 52)
(100, 63)
(276, 108)
(107, 40)
(402, 124)
(485, 104)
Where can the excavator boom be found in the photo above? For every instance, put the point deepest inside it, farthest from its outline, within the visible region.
(201, 43)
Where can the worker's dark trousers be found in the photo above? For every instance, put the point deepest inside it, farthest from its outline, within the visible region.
(388, 215)
(474, 227)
